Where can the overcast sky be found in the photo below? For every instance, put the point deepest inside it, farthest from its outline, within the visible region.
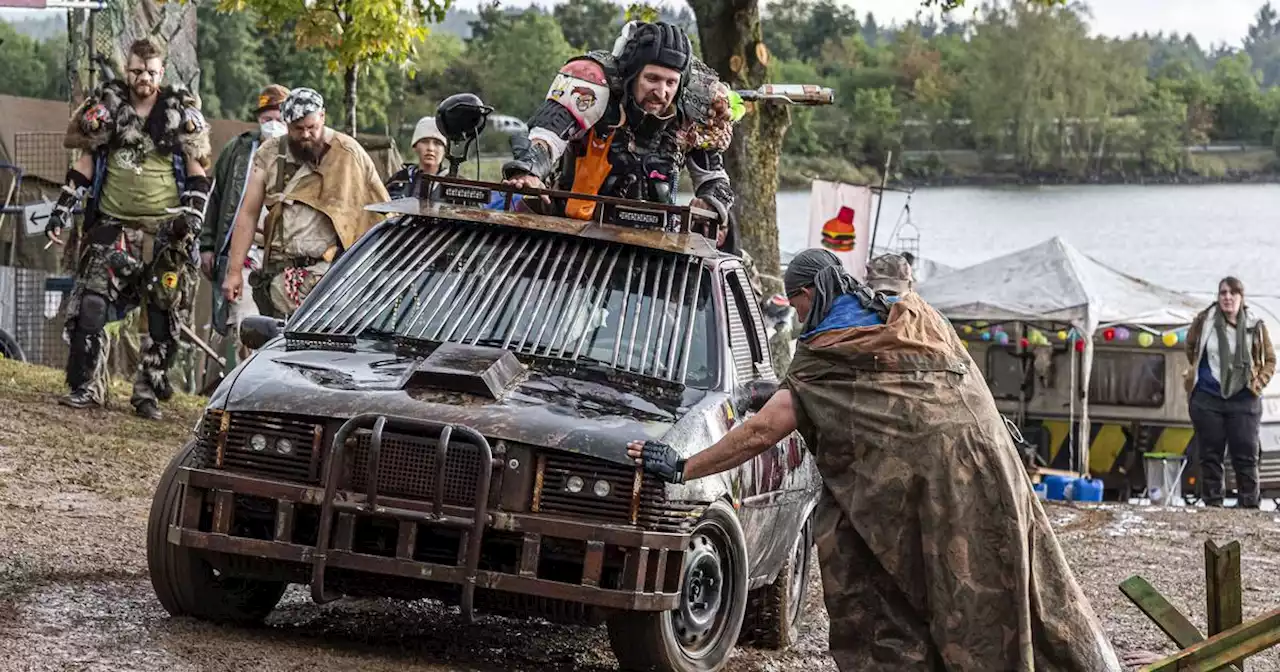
(1211, 21)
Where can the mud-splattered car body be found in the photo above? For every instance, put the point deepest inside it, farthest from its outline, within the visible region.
(522, 352)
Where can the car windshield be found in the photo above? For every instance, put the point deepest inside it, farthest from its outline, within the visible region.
(533, 292)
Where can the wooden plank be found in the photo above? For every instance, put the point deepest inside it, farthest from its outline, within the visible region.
(1222, 587)
(1158, 609)
(1220, 650)
(1178, 627)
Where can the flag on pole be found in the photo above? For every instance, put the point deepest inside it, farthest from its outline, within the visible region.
(840, 221)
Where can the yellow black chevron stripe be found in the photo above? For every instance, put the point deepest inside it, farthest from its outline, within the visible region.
(1109, 442)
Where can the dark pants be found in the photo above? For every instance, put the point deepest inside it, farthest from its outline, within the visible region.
(1222, 425)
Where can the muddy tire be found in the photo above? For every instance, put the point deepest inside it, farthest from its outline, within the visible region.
(185, 583)
(775, 611)
(699, 635)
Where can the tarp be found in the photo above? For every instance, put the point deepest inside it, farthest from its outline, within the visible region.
(1054, 282)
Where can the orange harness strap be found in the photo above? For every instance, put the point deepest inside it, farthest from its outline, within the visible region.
(589, 173)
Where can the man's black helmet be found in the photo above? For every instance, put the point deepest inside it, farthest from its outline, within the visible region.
(655, 44)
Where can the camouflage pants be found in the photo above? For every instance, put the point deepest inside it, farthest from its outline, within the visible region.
(114, 275)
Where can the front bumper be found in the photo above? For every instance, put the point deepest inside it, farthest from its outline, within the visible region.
(650, 574)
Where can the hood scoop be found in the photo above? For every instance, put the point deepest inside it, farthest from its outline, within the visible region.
(481, 371)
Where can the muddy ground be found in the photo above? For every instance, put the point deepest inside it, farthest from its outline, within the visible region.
(75, 489)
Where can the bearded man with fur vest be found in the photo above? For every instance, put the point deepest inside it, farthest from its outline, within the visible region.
(141, 176)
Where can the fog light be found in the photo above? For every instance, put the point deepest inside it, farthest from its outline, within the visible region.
(574, 484)
(602, 488)
(258, 442)
(284, 446)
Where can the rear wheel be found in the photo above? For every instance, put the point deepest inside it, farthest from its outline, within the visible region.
(9, 348)
(775, 611)
(184, 581)
(698, 635)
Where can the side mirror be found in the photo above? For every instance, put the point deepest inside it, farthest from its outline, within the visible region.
(754, 395)
(257, 330)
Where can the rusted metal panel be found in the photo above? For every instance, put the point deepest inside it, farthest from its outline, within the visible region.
(222, 511)
(529, 552)
(284, 521)
(406, 540)
(593, 563)
(634, 568)
(343, 538)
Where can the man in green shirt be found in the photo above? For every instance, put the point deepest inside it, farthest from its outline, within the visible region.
(144, 153)
(230, 174)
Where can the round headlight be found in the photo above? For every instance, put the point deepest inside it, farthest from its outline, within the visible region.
(258, 442)
(601, 488)
(284, 446)
(574, 484)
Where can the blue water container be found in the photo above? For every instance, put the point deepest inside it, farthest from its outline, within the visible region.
(1042, 493)
(1086, 490)
(1056, 487)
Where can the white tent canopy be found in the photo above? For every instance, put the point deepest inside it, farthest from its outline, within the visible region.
(1054, 282)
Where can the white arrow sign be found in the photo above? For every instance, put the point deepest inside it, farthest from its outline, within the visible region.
(35, 216)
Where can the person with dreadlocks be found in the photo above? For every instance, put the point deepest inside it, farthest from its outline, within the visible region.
(934, 550)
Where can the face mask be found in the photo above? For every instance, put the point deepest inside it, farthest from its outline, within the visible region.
(272, 129)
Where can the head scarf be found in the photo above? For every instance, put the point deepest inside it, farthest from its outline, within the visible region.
(300, 103)
(822, 270)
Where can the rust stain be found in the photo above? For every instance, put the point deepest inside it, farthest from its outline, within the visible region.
(537, 483)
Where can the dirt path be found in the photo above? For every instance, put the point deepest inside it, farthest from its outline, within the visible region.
(75, 487)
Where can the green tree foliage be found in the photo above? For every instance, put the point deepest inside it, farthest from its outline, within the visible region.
(589, 24)
(35, 69)
(516, 57)
(232, 67)
(354, 34)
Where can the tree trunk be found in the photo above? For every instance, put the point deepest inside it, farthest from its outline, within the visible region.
(732, 44)
(350, 99)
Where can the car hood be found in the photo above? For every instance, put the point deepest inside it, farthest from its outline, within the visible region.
(540, 409)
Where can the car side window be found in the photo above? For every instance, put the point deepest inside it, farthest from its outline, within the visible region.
(746, 336)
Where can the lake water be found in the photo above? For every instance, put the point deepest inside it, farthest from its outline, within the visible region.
(1182, 237)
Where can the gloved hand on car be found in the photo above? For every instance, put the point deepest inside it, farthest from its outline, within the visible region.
(658, 459)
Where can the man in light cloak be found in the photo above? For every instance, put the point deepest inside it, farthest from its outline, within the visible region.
(935, 552)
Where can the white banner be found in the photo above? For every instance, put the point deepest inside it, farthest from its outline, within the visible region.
(840, 221)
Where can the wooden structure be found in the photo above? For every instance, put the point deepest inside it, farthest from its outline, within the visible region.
(1230, 639)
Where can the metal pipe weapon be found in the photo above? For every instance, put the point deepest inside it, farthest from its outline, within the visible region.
(792, 94)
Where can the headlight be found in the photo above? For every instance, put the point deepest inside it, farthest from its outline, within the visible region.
(601, 488)
(258, 442)
(284, 446)
(574, 484)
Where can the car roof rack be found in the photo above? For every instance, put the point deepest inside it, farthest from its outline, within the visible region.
(658, 226)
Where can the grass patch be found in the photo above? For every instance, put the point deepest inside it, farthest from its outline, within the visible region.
(110, 451)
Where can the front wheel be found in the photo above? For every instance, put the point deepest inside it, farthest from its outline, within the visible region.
(775, 611)
(185, 583)
(698, 635)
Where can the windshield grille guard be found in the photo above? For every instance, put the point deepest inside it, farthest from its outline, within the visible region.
(469, 278)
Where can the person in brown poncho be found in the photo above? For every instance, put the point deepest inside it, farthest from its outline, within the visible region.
(935, 553)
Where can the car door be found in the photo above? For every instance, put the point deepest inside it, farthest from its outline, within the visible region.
(767, 516)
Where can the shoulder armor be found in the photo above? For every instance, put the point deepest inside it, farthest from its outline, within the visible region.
(609, 62)
(93, 123)
(185, 123)
(699, 92)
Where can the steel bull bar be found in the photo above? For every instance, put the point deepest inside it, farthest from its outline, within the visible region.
(474, 525)
(650, 577)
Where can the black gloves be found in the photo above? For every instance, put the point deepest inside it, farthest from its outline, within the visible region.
(72, 194)
(662, 461)
(194, 200)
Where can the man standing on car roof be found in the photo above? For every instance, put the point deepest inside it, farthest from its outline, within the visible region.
(143, 156)
(934, 550)
(626, 122)
(315, 183)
